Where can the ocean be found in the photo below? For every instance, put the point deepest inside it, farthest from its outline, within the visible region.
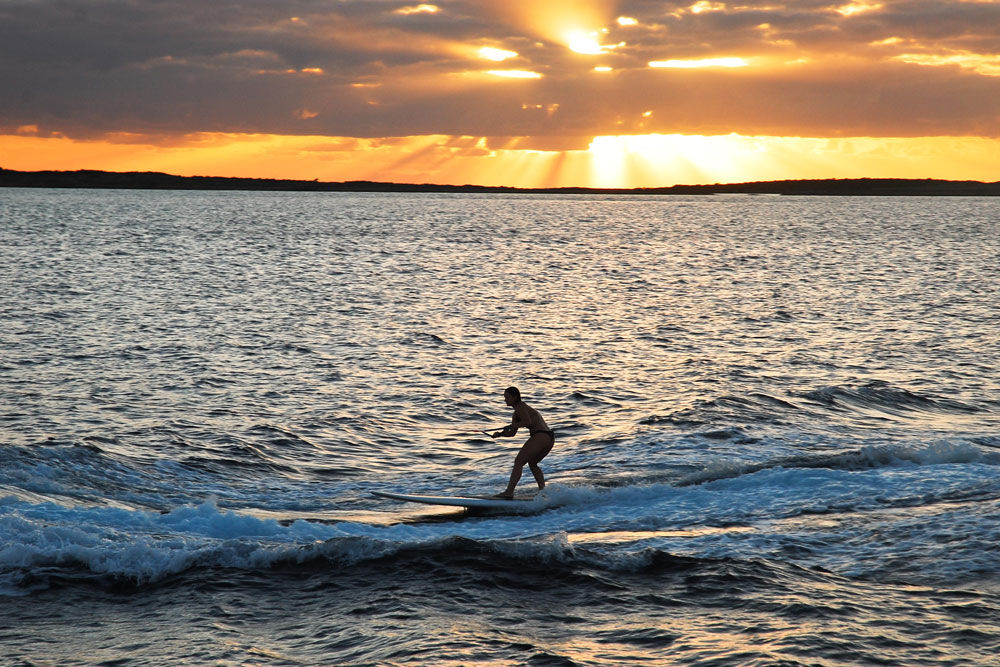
(777, 429)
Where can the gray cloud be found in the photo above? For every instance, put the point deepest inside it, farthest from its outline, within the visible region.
(180, 66)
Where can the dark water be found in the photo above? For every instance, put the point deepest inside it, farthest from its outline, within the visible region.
(778, 429)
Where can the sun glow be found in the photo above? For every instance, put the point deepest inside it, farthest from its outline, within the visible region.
(622, 161)
(627, 161)
(579, 25)
(617, 159)
(588, 44)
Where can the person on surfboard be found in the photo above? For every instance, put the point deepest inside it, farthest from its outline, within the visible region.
(538, 444)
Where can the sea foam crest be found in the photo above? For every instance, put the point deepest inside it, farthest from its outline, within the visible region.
(871, 456)
(888, 398)
(145, 547)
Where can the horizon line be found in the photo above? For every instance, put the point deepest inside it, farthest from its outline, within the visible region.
(156, 180)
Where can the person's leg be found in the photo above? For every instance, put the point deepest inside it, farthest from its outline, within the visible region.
(546, 446)
(533, 451)
(515, 477)
(539, 477)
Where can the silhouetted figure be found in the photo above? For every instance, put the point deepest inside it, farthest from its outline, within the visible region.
(538, 444)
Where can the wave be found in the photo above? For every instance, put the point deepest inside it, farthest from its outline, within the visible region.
(43, 542)
(132, 550)
(144, 546)
(872, 400)
(95, 470)
(872, 456)
(886, 398)
(760, 516)
(80, 513)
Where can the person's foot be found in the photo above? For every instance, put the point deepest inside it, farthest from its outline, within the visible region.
(505, 496)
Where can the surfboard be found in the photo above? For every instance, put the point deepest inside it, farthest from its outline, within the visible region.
(477, 502)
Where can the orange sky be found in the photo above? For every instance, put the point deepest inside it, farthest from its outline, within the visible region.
(523, 93)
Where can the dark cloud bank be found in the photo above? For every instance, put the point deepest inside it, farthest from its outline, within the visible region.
(85, 68)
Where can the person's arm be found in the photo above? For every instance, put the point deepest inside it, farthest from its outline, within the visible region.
(510, 430)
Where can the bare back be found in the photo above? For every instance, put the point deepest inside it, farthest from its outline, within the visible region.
(525, 415)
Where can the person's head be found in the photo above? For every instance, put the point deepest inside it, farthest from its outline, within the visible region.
(511, 395)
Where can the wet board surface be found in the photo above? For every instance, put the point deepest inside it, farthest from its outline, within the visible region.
(479, 502)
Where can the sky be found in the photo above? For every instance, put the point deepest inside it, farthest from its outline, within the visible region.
(525, 93)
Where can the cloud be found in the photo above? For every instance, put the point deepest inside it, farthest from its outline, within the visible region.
(380, 68)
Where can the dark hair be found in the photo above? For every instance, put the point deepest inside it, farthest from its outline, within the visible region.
(513, 391)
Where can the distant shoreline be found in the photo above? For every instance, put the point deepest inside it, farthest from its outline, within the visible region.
(91, 179)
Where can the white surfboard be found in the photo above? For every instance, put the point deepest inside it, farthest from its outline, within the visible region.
(477, 502)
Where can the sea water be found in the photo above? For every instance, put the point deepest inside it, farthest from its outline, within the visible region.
(777, 429)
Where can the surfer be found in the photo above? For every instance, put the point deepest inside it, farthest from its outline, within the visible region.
(538, 444)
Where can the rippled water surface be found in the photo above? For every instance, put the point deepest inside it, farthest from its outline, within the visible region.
(778, 428)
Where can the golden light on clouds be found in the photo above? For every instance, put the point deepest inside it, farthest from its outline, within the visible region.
(304, 70)
(854, 8)
(703, 6)
(987, 65)
(549, 109)
(700, 63)
(495, 54)
(514, 74)
(888, 41)
(418, 9)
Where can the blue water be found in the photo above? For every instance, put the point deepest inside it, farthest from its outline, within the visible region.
(778, 429)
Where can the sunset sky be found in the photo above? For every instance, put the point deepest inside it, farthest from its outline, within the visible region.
(509, 92)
